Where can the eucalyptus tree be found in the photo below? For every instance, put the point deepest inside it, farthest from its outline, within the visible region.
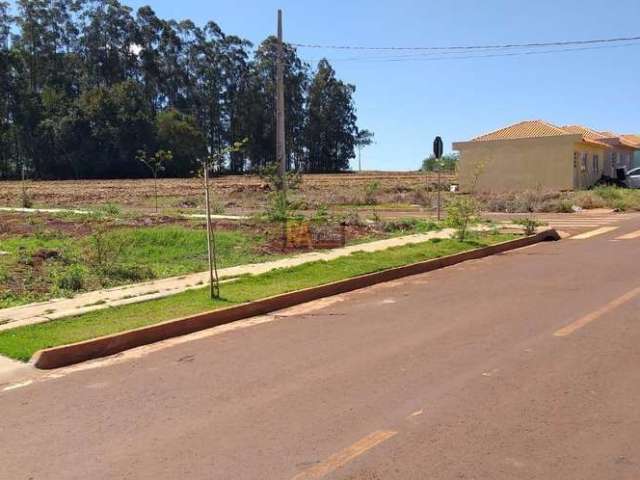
(330, 128)
(296, 79)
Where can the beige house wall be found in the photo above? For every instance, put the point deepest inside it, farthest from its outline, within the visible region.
(589, 172)
(518, 164)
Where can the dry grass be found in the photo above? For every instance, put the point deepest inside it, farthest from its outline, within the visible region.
(236, 194)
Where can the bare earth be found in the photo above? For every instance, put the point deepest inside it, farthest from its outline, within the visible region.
(238, 193)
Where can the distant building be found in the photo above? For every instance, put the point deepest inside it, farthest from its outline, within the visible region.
(535, 153)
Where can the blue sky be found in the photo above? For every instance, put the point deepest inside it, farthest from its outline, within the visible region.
(407, 103)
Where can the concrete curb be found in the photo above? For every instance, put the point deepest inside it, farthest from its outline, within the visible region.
(109, 345)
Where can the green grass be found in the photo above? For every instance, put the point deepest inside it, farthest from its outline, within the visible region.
(133, 254)
(21, 343)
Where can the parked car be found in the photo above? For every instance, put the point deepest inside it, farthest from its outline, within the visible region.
(632, 179)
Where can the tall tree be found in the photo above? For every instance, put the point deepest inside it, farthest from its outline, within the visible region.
(262, 144)
(85, 84)
(331, 122)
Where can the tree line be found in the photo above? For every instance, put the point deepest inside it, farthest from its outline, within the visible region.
(86, 85)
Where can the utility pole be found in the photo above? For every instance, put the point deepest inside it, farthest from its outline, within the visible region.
(281, 156)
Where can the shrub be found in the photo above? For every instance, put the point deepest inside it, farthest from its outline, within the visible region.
(270, 174)
(110, 209)
(589, 200)
(103, 249)
(72, 278)
(280, 208)
(529, 224)
(321, 215)
(132, 273)
(422, 196)
(371, 191)
(462, 212)
(354, 219)
(609, 193)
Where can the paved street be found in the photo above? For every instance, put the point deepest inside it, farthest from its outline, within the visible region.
(519, 366)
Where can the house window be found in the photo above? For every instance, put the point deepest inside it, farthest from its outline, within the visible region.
(596, 163)
(583, 164)
(614, 159)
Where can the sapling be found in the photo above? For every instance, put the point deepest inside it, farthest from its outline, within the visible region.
(156, 164)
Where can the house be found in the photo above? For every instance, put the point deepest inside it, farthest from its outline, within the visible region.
(537, 154)
(621, 151)
(635, 139)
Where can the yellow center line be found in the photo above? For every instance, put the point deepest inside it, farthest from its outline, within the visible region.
(593, 233)
(630, 236)
(339, 459)
(612, 305)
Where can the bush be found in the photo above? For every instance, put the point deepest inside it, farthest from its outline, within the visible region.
(462, 212)
(530, 224)
(422, 196)
(104, 249)
(72, 278)
(270, 174)
(321, 215)
(110, 209)
(589, 200)
(354, 219)
(609, 193)
(280, 208)
(26, 199)
(371, 191)
(130, 273)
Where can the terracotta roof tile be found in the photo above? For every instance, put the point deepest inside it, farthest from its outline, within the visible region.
(540, 128)
(584, 131)
(632, 139)
(527, 129)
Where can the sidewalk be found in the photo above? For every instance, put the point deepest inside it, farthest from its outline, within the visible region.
(140, 292)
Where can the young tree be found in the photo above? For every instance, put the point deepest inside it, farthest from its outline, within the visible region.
(208, 167)
(156, 164)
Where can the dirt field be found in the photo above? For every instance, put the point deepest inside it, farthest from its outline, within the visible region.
(234, 194)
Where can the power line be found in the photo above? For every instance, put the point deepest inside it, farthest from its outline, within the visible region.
(475, 47)
(457, 56)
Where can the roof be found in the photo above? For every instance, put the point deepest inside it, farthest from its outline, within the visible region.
(585, 132)
(632, 139)
(540, 128)
(526, 129)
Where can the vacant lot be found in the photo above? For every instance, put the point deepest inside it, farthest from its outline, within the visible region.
(233, 194)
(56, 255)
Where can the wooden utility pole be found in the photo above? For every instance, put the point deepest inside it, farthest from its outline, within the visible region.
(281, 156)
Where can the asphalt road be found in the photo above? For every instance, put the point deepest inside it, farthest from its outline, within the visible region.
(524, 365)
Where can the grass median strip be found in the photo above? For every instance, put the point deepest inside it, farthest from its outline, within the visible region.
(22, 342)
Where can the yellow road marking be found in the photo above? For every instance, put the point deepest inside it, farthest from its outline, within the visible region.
(593, 233)
(581, 322)
(630, 236)
(339, 459)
